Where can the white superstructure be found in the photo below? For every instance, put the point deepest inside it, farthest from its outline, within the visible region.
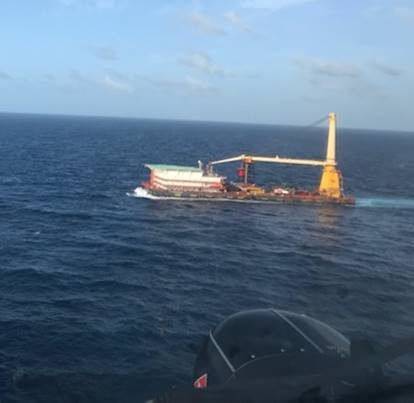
(182, 178)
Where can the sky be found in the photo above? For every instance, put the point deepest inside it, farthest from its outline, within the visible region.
(254, 61)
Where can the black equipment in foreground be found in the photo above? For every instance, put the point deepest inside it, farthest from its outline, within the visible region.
(274, 356)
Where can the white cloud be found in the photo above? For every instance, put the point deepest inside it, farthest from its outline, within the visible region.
(205, 24)
(112, 80)
(188, 85)
(338, 77)
(202, 62)
(104, 52)
(49, 77)
(5, 76)
(328, 68)
(274, 5)
(77, 76)
(102, 4)
(405, 13)
(116, 84)
(67, 3)
(386, 69)
(197, 85)
(234, 19)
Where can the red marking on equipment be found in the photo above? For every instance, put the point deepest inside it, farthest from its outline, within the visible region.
(201, 382)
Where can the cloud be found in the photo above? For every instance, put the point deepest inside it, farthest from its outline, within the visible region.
(104, 3)
(198, 85)
(203, 23)
(359, 87)
(405, 13)
(188, 85)
(104, 53)
(68, 3)
(77, 76)
(114, 81)
(202, 62)
(328, 68)
(5, 76)
(365, 89)
(274, 5)
(116, 84)
(101, 4)
(117, 75)
(49, 77)
(234, 19)
(387, 69)
(338, 77)
(374, 10)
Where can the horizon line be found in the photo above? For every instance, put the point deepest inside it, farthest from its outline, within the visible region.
(189, 120)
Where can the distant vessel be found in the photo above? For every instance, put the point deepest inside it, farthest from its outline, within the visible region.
(203, 182)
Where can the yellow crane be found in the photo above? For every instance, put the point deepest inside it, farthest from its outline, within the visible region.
(331, 180)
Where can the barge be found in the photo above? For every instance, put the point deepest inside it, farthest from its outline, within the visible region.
(203, 182)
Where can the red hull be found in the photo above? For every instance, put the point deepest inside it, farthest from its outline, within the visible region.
(298, 196)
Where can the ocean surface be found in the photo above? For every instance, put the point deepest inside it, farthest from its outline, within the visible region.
(104, 296)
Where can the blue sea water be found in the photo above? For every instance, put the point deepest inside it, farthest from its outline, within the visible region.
(104, 296)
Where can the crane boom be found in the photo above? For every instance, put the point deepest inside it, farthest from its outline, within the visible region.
(330, 153)
(276, 159)
(293, 161)
(233, 159)
(331, 180)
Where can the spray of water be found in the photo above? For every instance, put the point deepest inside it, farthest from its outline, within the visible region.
(142, 193)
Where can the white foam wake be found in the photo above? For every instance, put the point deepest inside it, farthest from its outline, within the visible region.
(142, 193)
(385, 202)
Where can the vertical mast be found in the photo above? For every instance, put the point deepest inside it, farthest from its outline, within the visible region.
(331, 147)
(331, 180)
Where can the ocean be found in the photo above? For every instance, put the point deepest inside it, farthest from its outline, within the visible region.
(106, 296)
